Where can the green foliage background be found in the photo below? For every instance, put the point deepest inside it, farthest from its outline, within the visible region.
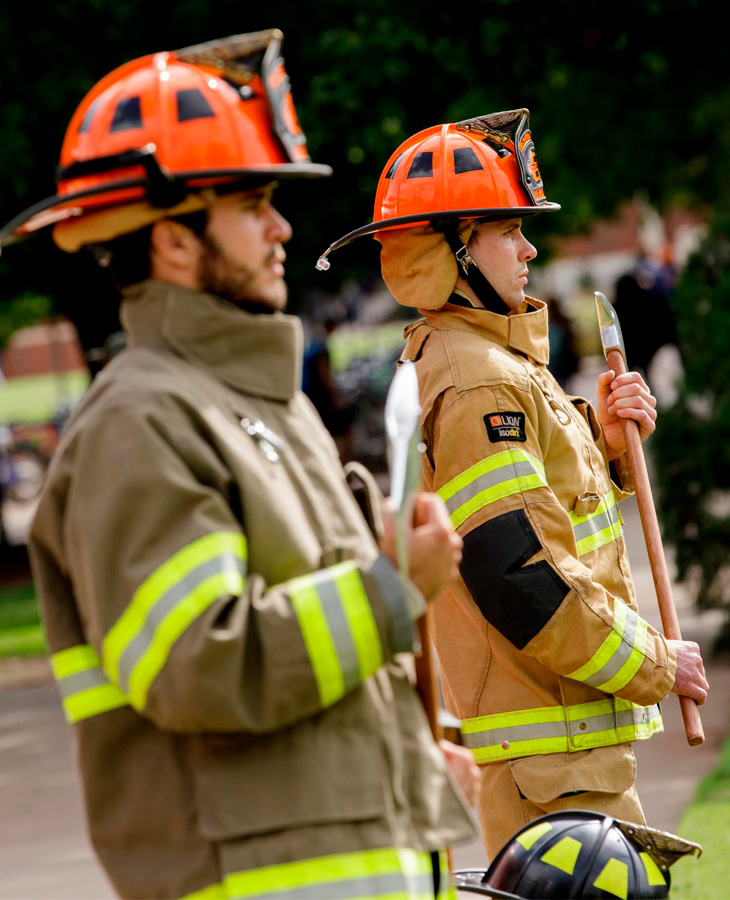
(621, 98)
(692, 446)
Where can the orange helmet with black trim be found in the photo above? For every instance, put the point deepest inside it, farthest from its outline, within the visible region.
(480, 168)
(165, 124)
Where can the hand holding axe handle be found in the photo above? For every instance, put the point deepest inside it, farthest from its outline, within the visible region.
(402, 411)
(615, 353)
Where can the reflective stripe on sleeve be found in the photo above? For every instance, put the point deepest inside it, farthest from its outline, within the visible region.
(391, 874)
(85, 689)
(166, 604)
(599, 527)
(620, 656)
(559, 729)
(511, 472)
(338, 627)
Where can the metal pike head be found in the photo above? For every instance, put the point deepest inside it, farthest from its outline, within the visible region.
(608, 324)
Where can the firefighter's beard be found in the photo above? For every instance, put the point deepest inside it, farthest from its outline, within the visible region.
(238, 283)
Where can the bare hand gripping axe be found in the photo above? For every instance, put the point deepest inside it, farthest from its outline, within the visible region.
(615, 353)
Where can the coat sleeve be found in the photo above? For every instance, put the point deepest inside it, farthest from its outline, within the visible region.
(521, 562)
(176, 621)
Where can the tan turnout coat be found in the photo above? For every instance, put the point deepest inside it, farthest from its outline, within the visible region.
(223, 628)
(544, 656)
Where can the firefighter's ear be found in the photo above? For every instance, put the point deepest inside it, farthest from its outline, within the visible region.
(174, 252)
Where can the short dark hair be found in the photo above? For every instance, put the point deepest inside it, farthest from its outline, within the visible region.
(127, 257)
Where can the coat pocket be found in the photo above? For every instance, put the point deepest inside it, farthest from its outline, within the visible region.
(607, 770)
(305, 775)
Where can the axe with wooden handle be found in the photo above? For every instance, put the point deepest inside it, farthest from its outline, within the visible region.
(615, 353)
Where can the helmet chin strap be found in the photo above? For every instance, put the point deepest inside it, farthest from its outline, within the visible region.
(473, 276)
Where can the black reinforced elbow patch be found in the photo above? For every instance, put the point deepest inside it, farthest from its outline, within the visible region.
(518, 600)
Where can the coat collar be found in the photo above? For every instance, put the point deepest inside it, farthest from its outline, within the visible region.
(524, 332)
(256, 354)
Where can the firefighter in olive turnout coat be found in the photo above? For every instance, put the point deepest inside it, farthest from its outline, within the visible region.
(230, 645)
(544, 656)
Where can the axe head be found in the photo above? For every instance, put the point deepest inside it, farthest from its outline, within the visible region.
(608, 324)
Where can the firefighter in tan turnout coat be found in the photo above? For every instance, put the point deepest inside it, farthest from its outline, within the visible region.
(231, 643)
(544, 655)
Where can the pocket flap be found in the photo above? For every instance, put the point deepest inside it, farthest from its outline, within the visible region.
(542, 779)
(586, 503)
(308, 774)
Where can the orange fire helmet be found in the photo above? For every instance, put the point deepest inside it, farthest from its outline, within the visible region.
(482, 168)
(163, 125)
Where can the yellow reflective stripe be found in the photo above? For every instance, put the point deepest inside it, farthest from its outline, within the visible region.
(632, 664)
(338, 627)
(614, 879)
(653, 872)
(501, 475)
(185, 612)
(93, 702)
(84, 687)
(563, 855)
(559, 729)
(621, 654)
(73, 660)
(598, 528)
(317, 640)
(212, 892)
(361, 874)
(360, 617)
(607, 648)
(225, 550)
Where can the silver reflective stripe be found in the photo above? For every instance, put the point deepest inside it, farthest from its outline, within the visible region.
(339, 629)
(393, 886)
(518, 469)
(597, 523)
(81, 681)
(621, 655)
(402, 633)
(142, 641)
(557, 729)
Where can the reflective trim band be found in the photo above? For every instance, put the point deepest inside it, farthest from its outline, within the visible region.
(166, 604)
(366, 875)
(599, 527)
(563, 855)
(559, 729)
(213, 892)
(510, 472)
(614, 879)
(85, 689)
(533, 835)
(338, 628)
(620, 656)
(653, 872)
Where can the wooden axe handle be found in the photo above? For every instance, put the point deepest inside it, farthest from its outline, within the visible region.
(657, 560)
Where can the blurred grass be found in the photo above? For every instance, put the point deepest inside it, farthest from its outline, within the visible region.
(37, 398)
(706, 822)
(21, 633)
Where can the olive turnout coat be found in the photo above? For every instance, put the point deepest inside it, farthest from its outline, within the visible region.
(230, 645)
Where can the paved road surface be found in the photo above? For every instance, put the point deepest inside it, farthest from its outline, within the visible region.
(44, 852)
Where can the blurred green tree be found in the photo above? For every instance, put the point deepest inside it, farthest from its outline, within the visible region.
(692, 447)
(614, 100)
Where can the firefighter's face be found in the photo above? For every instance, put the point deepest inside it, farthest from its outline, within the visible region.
(502, 252)
(241, 255)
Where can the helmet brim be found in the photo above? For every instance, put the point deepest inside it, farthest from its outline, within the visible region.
(517, 212)
(60, 207)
